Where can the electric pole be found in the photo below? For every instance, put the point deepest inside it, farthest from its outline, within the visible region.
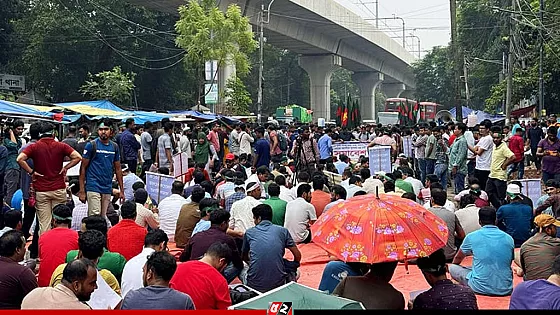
(456, 60)
(541, 59)
(261, 64)
(509, 89)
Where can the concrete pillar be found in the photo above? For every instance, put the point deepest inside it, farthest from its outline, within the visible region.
(393, 90)
(320, 69)
(368, 83)
(225, 72)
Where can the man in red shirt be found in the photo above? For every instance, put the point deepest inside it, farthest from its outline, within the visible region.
(202, 279)
(48, 173)
(517, 146)
(127, 237)
(56, 243)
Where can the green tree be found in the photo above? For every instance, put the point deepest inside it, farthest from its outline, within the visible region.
(207, 33)
(113, 85)
(342, 86)
(434, 77)
(237, 97)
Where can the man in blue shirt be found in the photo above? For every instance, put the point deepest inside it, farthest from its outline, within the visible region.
(342, 163)
(263, 249)
(492, 251)
(130, 146)
(262, 149)
(540, 294)
(516, 217)
(325, 147)
(96, 173)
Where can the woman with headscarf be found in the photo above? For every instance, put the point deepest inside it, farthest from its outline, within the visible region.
(203, 150)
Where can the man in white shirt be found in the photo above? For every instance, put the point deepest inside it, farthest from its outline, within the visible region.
(483, 151)
(245, 141)
(342, 163)
(300, 215)
(369, 184)
(408, 174)
(285, 193)
(242, 211)
(129, 179)
(155, 241)
(468, 214)
(260, 177)
(346, 178)
(169, 209)
(302, 178)
(338, 194)
(355, 186)
(185, 143)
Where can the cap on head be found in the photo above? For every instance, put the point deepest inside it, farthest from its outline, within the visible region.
(513, 189)
(230, 156)
(544, 220)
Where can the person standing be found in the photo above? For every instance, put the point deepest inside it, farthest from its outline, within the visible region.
(146, 144)
(534, 135)
(276, 153)
(420, 152)
(326, 147)
(214, 139)
(262, 149)
(431, 150)
(156, 293)
(458, 157)
(483, 151)
(234, 140)
(549, 150)
(497, 180)
(517, 146)
(101, 159)
(442, 159)
(245, 140)
(71, 139)
(164, 153)
(16, 280)
(12, 142)
(48, 173)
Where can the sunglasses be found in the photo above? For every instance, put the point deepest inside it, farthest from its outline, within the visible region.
(550, 189)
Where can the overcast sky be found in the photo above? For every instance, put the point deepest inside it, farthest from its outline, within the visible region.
(427, 19)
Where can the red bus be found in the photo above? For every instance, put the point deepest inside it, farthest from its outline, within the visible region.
(428, 111)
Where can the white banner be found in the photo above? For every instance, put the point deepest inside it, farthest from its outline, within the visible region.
(74, 171)
(532, 189)
(352, 149)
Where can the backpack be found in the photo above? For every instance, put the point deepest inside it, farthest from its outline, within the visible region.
(282, 142)
(94, 148)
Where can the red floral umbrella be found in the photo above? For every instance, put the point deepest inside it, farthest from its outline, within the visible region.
(372, 229)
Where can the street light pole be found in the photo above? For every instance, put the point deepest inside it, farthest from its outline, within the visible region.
(403, 27)
(541, 59)
(261, 65)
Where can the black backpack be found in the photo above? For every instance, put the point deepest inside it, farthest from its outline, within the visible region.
(94, 148)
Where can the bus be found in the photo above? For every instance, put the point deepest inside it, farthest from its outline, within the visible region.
(428, 111)
(395, 106)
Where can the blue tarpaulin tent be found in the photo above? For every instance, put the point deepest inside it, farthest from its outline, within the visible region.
(480, 115)
(198, 115)
(30, 111)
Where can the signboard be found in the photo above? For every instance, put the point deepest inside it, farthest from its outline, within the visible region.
(407, 147)
(352, 149)
(12, 82)
(211, 92)
(532, 189)
(210, 69)
(380, 159)
(180, 164)
(158, 186)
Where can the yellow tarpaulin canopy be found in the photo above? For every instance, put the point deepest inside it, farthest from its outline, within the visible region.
(92, 111)
(43, 108)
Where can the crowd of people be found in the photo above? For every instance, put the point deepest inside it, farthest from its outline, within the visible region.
(97, 239)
